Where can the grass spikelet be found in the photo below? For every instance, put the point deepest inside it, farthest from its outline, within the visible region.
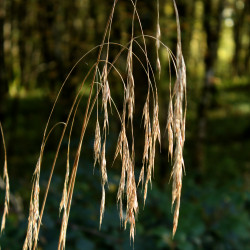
(65, 190)
(147, 128)
(97, 143)
(150, 141)
(106, 97)
(131, 195)
(147, 153)
(124, 158)
(7, 185)
(170, 129)
(130, 96)
(119, 146)
(156, 124)
(132, 203)
(177, 182)
(141, 176)
(29, 236)
(179, 96)
(32, 232)
(157, 43)
(63, 205)
(104, 178)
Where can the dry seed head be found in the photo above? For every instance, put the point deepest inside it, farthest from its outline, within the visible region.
(149, 173)
(123, 149)
(97, 143)
(7, 196)
(32, 231)
(36, 211)
(7, 184)
(170, 129)
(106, 97)
(64, 197)
(176, 124)
(128, 179)
(132, 203)
(151, 140)
(121, 191)
(130, 97)
(178, 127)
(176, 215)
(176, 133)
(141, 177)
(132, 210)
(156, 124)
(36, 191)
(147, 128)
(103, 164)
(104, 178)
(178, 163)
(102, 207)
(29, 237)
(177, 183)
(118, 146)
(63, 202)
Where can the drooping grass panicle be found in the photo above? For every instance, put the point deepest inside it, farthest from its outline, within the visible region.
(127, 189)
(7, 185)
(176, 124)
(55, 158)
(32, 231)
(127, 179)
(84, 125)
(67, 189)
(34, 216)
(28, 243)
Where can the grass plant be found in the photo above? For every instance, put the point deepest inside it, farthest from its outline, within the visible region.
(97, 81)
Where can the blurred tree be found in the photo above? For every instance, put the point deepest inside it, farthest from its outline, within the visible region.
(212, 22)
(186, 9)
(49, 41)
(247, 58)
(3, 80)
(241, 9)
(247, 34)
(21, 10)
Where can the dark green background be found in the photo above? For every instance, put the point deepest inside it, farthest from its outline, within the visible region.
(39, 43)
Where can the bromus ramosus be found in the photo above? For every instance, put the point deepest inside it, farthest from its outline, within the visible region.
(99, 86)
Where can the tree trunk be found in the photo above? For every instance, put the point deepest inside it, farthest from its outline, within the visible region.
(212, 27)
(239, 17)
(22, 38)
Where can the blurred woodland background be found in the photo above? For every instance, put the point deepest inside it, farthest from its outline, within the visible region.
(40, 41)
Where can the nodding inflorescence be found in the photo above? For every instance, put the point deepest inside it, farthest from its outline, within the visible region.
(101, 88)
